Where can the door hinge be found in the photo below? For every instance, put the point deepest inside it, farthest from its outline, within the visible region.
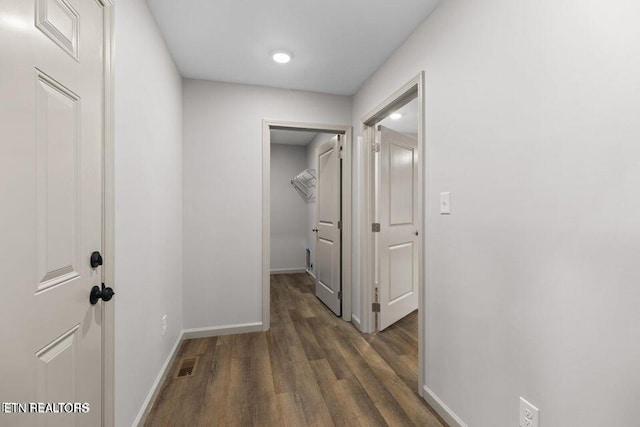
(341, 151)
(375, 147)
(375, 227)
(375, 307)
(339, 225)
(340, 295)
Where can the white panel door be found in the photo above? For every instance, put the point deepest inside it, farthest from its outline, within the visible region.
(51, 132)
(398, 254)
(328, 241)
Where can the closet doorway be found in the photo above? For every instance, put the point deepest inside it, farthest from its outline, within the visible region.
(307, 210)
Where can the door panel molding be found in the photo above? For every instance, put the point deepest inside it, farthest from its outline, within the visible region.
(52, 360)
(60, 22)
(58, 186)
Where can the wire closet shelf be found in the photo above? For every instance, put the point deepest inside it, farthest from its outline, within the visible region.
(305, 184)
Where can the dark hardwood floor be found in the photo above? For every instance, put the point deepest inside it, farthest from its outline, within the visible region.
(309, 369)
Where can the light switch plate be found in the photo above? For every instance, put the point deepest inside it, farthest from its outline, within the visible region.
(445, 203)
(164, 325)
(529, 416)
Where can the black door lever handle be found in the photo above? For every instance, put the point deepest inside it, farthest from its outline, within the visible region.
(96, 294)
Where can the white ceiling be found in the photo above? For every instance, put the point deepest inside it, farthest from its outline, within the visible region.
(292, 137)
(337, 44)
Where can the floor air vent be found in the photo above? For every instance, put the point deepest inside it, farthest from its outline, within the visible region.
(187, 367)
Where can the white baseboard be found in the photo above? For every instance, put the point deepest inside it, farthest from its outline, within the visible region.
(288, 270)
(356, 322)
(310, 273)
(215, 331)
(442, 409)
(155, 388)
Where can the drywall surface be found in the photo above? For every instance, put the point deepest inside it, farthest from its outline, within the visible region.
(288, 209)
(532, 281)
(148, 206)
(223, 192)
(312, 214)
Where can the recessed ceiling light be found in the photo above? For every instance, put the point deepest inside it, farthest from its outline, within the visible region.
(281, 56)
(395, 116)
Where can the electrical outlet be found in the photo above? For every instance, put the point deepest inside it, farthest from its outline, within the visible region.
(528, 414)
(164, 325)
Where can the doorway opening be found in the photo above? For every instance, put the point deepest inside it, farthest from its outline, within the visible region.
(311, 207)
(392, 233)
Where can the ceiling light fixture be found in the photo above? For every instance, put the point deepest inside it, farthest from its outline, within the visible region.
(281, 56)
(395, 116)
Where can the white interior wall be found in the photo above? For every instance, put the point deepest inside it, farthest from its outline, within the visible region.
(288, 209)
(223, 192)
(148, 206)
(531, 124)
(312, 163)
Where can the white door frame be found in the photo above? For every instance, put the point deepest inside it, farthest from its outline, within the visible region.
(108, 220)
(407, 92)
(267, 126)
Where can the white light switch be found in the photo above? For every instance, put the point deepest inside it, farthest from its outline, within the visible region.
(445, 203)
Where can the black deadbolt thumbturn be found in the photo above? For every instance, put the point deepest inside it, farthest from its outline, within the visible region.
(96, 259)
(96, 293)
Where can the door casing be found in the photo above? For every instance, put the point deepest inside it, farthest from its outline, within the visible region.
(412, 89)
(267, 126)
(108, 218)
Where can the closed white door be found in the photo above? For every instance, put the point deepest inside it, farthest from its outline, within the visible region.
(397, 242)
(51, 132)
(328, 240)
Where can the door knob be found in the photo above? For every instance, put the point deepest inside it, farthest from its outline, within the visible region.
(96, 259)
(96, 293)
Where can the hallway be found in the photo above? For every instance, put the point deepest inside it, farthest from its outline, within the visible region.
(310, 368)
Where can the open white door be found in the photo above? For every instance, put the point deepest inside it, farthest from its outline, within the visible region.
(52, 127)
(328, 243)
(398, 214)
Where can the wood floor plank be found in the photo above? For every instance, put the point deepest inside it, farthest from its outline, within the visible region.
(215, 402)
(377, 391)
(310, 369)
(291, 410)
(309, 341)
(333, 394)
(410, 403)
(237, 403)
(326, 340)
(405, 366)
(307, 391)
(360, 402)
